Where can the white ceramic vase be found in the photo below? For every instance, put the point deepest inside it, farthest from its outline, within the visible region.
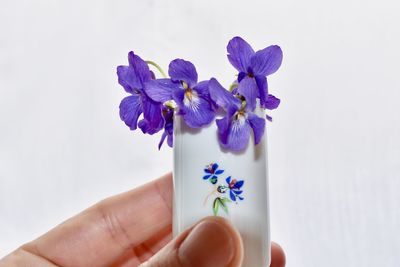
(196, 197)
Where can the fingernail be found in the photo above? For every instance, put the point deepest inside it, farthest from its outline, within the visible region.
(209, 244)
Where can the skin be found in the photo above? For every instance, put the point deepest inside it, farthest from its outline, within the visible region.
(132, 229)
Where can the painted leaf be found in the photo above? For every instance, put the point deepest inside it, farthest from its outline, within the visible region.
(214, 179)
(216, 206)
(224, 206)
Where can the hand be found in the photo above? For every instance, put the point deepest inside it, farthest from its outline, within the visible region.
(130, 229)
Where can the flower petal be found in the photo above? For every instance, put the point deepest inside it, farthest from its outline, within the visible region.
(215, 166)
(160, 90)
(258, 125)
(232, 196)
(182, 70)
(239, 53)
(272, 102)
(239, 184)
(130, 110)
(262, 89)
(228, 180)
(219, 172)
(234, 133)
(249, 89)
(168, 115)
(221, 96)
(163, 136)
(153, 120)
(128, 79)
(196, 110)
(133, 77)
(223, 126)
(267, 61)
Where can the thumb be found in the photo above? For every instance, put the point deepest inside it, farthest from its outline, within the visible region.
(211, 242)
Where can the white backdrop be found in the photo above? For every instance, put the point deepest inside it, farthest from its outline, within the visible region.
(334, 146)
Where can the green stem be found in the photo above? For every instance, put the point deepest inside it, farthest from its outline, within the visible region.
(233, 85)
(157, 66)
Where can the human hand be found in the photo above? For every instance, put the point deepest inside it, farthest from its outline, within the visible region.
(134, 228)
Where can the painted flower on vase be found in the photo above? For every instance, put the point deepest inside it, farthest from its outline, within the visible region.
(235, 188)
(212, 173)
(231, 186)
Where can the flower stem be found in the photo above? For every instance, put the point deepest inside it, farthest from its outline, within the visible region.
(233, 86)
(157, 66)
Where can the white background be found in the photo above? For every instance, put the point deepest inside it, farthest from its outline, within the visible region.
(334, 146)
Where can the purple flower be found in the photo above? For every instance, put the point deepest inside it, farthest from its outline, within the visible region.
(234, 188)
(253, 68)
(168, 114)
(235, 127)
(133, 79)
(191, 97)
(212, 173)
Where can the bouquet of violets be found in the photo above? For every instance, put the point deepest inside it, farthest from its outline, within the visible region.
(199, 102)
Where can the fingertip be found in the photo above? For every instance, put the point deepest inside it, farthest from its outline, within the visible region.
(278, 258)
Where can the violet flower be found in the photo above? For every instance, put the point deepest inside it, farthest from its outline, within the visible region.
(133, 79)
(191, 97)
(253, 68)
(168, 114)
(235, 127)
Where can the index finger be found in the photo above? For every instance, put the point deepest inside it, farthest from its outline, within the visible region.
(101, 234)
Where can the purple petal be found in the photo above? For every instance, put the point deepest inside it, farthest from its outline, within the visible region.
(128, 79)
(239, 53)
(262, 89)
(239, 184)
(168, 115)
(258, 125)
(163, 136)
(153, 120)
(202, 114)
(234, 133)
(249, 89)
(202, 88)
(232, 195)
(130, 110)
(196, 110)
(140, 66)
(266, 61)
(221, 96)
(182, 70)
(160, 90)
(272, 102)
(133, 77)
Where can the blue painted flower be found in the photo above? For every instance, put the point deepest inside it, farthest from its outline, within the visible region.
(191, 97)
(235, 127)
(253, 68)
(168, 114)
(133, 79)
(212, 173)
(235, 188)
